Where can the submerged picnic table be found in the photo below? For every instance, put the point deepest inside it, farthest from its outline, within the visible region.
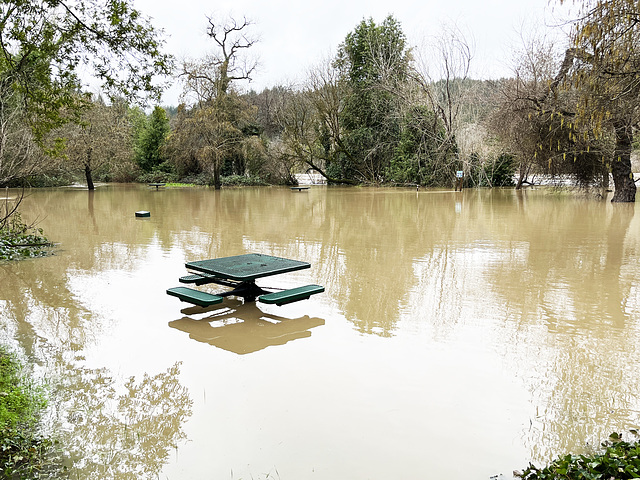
(239, 273)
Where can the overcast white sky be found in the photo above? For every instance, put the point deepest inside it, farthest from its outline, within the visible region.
(295, 35)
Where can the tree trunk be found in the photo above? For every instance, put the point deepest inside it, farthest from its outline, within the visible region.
(625, 187)
(87, 174)
(217, 184)
(605, 178)
(87, 171)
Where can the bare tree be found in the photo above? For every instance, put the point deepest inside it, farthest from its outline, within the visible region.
(103, 139)
(211, 76)
(516, 121)
(214, 131)
(444, 87)
(439, 82)
(312, 134)
(19, 154)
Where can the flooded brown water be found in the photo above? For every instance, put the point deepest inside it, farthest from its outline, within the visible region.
(461, 335)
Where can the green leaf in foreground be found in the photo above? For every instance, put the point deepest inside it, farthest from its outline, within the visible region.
(619, 460)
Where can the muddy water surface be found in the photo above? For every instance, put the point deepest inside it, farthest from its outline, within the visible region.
(461, 335)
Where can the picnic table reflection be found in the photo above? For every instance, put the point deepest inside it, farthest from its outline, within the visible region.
(244, 329)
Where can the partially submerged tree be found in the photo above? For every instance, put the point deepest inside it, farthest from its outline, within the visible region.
(203, 138)
(433, 104)
(370, 117)
(312, 126)
(605, 58)
(521, 117)
(102, 140)
(369, 56)
(216, 132)
(539, 123)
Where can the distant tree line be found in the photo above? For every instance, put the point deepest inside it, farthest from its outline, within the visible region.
(375, 113)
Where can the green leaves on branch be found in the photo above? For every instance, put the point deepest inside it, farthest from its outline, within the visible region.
(619, 460)
(47, 45)
(18, 241)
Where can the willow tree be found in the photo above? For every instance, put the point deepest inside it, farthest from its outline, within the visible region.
(606, 63)
(536, 119)
(205, 137)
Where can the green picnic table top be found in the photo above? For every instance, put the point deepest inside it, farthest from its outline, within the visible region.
(247, 267)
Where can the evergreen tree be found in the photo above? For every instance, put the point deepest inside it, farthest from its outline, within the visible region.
(371, 56)
(149, 154)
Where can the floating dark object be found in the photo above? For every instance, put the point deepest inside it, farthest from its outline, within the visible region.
(299, 188)
(143, 213)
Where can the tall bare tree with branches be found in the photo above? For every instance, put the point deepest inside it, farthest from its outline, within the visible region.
(213, 131)
(212, 75)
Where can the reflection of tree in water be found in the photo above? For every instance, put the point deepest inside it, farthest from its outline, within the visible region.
(362, 245)
(585, 397)
(568, 290)
(379, 237)
(111, 429)
(115, 431)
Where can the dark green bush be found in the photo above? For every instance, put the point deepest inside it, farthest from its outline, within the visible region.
(492, 172)
(620, 460)
(241, 180)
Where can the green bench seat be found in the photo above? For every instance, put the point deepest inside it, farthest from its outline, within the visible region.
(196, 297)
(197, 278)
(292, 295)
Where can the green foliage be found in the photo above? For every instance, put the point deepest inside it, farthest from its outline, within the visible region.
(241, 180)
(19, 401)
(151, 139)
(46, 43)
(620, 460)
(418, 157)
(493, 172)
(23, 453)
(370, 56)
(564, 148)
(18, 240)
(372, 52)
